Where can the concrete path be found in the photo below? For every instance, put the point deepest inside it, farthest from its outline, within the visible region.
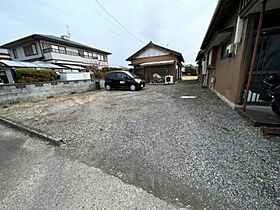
(35, 175)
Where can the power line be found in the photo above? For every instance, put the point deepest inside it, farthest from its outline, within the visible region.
(118, 21)
(89, 7)
(85, 21)
(118, 26)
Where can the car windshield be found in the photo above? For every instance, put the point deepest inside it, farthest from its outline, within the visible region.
(133, 75)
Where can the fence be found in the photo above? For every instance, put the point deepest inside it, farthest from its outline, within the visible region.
(15, 93)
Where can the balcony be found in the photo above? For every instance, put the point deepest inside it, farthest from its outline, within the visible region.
(68, 57)
(67, 52)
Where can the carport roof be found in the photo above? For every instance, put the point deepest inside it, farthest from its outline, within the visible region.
(74, 67)
(20, 64)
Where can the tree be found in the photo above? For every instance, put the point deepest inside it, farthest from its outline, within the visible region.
(191, 70)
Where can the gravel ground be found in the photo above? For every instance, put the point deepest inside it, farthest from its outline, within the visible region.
(35, 175)
(195, 152)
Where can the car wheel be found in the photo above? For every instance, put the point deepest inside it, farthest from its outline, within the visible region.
(132, 87)
(108, 87)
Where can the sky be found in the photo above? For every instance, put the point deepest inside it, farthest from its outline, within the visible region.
(176, 24)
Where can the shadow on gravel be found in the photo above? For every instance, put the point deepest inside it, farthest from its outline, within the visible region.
(135, 172)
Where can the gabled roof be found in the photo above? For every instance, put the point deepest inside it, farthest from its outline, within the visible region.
(54, 39)
(152, 45)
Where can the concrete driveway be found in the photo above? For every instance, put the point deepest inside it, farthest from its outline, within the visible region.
(191, 152)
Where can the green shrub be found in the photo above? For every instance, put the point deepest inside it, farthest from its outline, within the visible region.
(101, 73)
(190, 70)
(32, 75)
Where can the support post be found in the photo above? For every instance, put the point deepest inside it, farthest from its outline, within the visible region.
(253, 62)
(10, 75)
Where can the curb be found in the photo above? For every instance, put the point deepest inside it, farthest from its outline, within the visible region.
(31, 131)
(256, 123)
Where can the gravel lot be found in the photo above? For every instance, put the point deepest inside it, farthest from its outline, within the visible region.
(195, 152)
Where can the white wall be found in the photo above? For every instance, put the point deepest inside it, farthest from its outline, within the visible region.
(74, 75)
(20, 52)
(150, 52)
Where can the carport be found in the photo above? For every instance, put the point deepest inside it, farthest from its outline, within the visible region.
(8, 67)
(162, 68)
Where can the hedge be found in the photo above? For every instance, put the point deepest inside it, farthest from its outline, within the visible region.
(101, 73)
(32, 75)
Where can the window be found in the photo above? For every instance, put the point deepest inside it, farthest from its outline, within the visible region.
(86, 54)
(46, 45)
(101, 57)
(55, 48)
(62, 49)
(112, 75)
(15, 53)
(81, 53)
(90, 55)
(121, 76)
(30, 49)
(225, 50)
(94, 55)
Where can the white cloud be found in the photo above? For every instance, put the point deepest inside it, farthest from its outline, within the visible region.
(179, 23)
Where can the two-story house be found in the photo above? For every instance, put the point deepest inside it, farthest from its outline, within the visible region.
(56, 50)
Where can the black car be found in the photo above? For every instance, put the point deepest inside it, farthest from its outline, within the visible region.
(123, 80)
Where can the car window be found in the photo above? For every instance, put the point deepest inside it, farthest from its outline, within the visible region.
(121, 75)
(132, 75)
(111, 75)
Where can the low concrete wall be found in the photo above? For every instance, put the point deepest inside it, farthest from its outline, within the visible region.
(15, 93)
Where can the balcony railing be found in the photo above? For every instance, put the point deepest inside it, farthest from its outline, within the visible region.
(67, 52)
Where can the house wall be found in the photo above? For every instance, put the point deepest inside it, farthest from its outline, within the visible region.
(230, 72)
(151, 52)
(15, 93)
(20, 52)
(153, 59)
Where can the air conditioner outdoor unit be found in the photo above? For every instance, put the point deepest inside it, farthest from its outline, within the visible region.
(168, 79)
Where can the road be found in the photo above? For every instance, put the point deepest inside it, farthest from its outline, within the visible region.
(35, 175)
(190, 152)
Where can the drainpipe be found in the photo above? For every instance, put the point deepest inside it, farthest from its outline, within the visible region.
(253, 62)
